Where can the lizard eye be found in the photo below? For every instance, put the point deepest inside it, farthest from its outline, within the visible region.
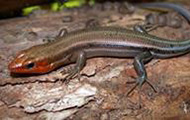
(30, 65)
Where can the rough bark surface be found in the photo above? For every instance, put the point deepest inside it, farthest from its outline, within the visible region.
(101, 92)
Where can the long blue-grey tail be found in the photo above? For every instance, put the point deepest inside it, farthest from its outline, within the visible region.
(176, 7)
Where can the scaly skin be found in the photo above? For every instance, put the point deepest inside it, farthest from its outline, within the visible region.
(102, 41)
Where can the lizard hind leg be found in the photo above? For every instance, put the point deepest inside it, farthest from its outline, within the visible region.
(139, 62)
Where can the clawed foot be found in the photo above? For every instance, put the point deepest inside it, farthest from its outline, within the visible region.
(139, 84)
(72, 72)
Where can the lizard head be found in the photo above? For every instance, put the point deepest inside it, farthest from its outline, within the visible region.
(29, 62)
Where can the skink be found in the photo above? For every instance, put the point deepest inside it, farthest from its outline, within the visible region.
(77, 46)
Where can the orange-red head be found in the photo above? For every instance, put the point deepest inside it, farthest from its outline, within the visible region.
(24, 64)
(39, 59)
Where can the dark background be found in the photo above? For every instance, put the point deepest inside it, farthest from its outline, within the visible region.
(13, 8)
